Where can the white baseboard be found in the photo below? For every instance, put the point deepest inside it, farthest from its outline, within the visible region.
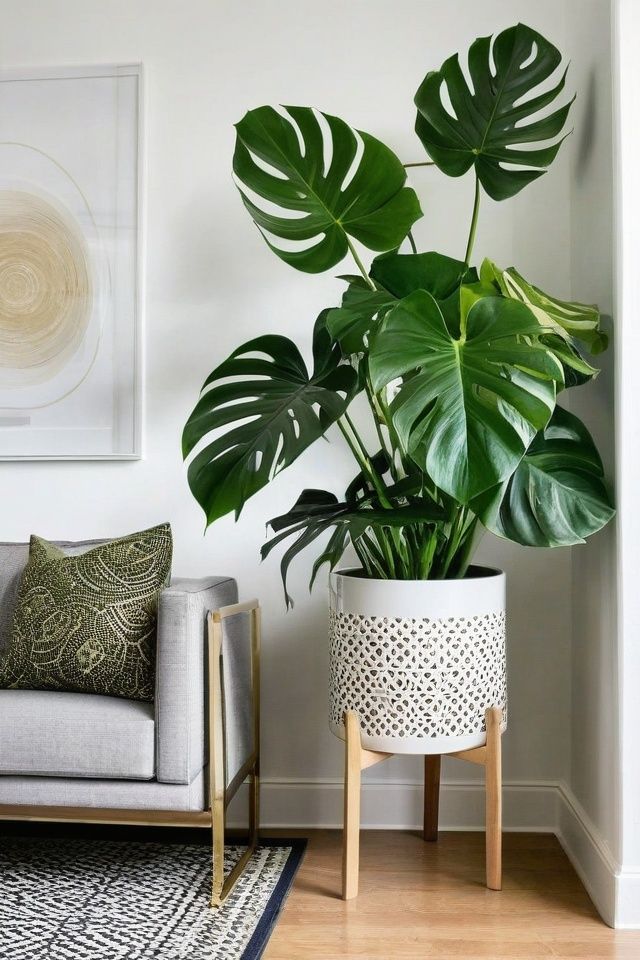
(615, 891)
(589, 854)
(539, 806)
(397, 805)
(628, 900)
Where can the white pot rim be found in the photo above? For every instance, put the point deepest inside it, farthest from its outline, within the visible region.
(483, 573)
(357, 595)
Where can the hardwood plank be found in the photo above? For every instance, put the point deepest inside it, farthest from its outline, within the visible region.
(421, 901)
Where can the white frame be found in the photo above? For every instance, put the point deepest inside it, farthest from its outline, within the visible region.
(109, 70)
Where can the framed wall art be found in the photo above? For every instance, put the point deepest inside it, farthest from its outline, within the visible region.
(70, 364)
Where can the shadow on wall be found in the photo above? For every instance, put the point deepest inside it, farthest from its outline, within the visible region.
(588, 125)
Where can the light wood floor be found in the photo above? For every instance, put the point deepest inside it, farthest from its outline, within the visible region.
(428, 900)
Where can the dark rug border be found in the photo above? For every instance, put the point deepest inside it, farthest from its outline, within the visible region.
(265, 926)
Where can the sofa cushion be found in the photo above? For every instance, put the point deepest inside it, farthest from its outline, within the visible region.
(55, 734)
(111, 794)
(87, 623)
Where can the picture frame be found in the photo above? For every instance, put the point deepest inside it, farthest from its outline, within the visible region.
(71, 177)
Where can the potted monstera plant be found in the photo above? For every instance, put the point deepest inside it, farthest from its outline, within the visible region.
(462, 365)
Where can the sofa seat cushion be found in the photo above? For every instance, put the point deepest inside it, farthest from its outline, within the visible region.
(59, 734)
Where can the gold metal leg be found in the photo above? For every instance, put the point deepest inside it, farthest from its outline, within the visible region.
(220, 794)
(217, 857)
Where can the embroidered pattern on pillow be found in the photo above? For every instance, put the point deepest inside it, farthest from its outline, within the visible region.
(87, 623)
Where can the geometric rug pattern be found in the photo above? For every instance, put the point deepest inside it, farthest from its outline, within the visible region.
(96, 899)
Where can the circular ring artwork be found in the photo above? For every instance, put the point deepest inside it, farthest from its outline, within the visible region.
(55, 281)
(45, 288)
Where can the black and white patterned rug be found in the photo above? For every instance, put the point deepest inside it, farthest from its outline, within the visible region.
(103, 899)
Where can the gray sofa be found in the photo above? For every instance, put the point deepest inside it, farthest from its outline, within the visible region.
(83, 756)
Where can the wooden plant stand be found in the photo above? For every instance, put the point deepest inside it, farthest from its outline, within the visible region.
(357, 759)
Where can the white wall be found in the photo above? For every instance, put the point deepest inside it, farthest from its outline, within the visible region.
(211, 283)
(627, 36)
(590, 822)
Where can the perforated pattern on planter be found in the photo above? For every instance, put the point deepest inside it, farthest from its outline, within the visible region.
(417, 677)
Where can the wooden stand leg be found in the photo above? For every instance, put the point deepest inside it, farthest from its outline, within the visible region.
(493, 772)
(431, 796)
(351, 833)
(357, 759)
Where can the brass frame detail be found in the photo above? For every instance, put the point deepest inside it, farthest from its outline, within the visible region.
(220, 793)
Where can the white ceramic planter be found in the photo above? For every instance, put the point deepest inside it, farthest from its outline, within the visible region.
(419, 661)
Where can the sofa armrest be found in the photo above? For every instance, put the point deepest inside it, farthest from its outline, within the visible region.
(181, 746)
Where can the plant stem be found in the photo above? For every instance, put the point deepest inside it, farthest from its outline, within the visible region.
(352, 446)
(363, 556)
(370, 548)
(381, 538)
(426, 557)
(469, 544)
(455, 536)
(412, 242)
(354, 431)
(379, 417)
(362, 458)
(474, 223)
(423, 163)
(360, 264)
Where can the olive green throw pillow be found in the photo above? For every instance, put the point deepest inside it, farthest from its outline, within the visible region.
(88, 622)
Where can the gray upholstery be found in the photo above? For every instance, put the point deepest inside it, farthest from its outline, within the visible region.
(180, 679)
(236, 682)
(180, 673)
(119, 794)
(54, 734)
(13, 559)
(86, 750)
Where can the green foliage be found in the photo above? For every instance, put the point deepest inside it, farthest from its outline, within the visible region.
(568, 319)
(474, 403)
(460, 368)
(275, 408)
(351, 324)
(556, 497)
(491, 122)
(375, 208)
(358, 519)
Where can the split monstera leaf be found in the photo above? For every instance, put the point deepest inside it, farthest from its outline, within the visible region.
(459, 367)
(487, 124)
(359, 195)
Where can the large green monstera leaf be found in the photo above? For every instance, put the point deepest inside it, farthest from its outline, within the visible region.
(492, 121)
(557, 496)
(568, 318)
(468, 407)
(281, 159)
(274, 410)
(402, 273)
(396, 275)
(361, 310)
